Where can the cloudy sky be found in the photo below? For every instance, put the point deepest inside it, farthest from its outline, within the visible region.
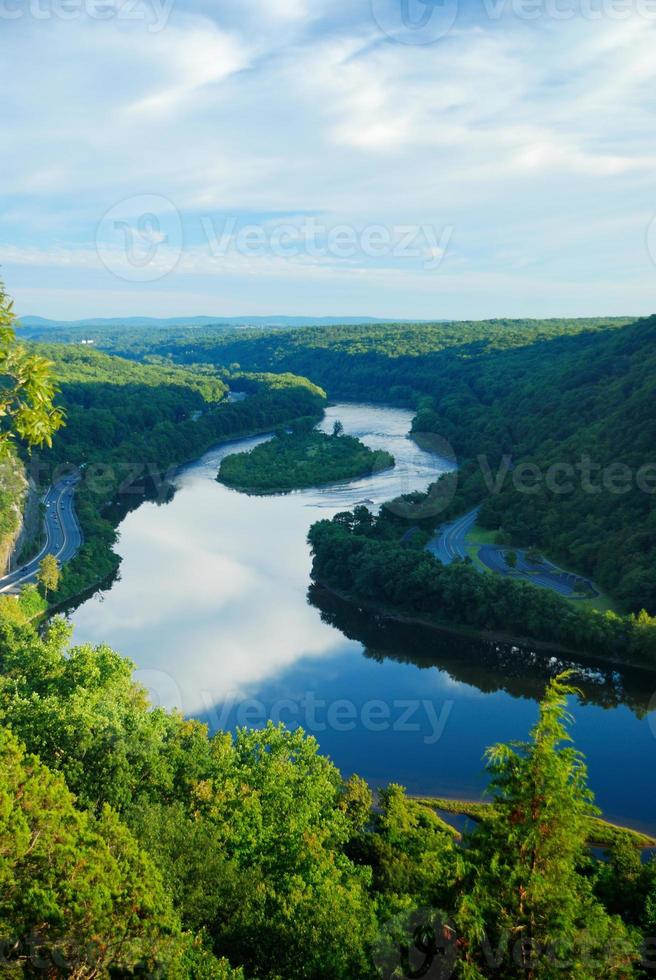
(397, 158)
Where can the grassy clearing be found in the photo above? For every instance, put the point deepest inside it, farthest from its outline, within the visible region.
(480, 535)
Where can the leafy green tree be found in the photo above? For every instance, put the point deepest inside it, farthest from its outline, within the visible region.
(49, 574)
(27, 388)
(528, 901)
(75, 892)
(299, 908)
(511, 559)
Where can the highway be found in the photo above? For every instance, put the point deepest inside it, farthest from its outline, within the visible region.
(450, 541)
(62, 530)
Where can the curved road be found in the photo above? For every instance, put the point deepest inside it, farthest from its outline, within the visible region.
(450, 541)
(63, 534)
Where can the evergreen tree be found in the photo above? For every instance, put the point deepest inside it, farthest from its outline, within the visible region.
(528, 909)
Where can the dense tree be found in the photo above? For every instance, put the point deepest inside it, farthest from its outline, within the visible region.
(364, 557)
(178, 850)
(294, 460)
(131, 425)
(76, 893)
(49, 574)
(27, 388)
(545, 392)
(27, 416)
(528, 900)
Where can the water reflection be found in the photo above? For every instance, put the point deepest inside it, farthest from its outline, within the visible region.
(489, 666)
(211, 604)
(212, 592)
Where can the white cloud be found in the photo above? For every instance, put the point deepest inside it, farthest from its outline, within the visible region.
(287, 107)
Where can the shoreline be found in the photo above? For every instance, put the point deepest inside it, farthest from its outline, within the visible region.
(250, 492)
(603, 833)
(392, 615)
(88, 590)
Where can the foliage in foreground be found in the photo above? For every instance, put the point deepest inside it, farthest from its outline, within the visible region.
(132, 842)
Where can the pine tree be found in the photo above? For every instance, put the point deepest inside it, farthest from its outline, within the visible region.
(528, 909)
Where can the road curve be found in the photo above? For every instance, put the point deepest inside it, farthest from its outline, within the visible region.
(63, 534)
(450, 542)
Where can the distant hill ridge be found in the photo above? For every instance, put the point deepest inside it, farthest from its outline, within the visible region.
(199, 321)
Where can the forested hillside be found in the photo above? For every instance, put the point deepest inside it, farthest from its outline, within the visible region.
(132, 424)
(552, 393)
(133, 844)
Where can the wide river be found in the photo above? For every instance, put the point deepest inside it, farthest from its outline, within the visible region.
(212, 605)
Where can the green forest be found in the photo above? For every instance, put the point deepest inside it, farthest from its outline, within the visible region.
(132, 425)
(133, 843)
(295, 459)
(362, 556)
(546, 394)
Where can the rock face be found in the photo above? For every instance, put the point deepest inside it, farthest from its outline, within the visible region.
(30, 525)
(21, 518)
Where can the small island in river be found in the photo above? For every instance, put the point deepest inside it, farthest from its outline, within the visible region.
(299, 459)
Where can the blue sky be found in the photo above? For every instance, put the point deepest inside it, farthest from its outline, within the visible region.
(400, 158)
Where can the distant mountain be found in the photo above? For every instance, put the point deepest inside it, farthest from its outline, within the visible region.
(41, 323)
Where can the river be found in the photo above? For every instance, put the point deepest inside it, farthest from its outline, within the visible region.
(212, 605)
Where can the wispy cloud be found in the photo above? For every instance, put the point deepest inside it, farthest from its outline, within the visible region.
(525, 136)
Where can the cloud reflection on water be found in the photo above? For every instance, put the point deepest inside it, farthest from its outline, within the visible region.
(212, 593)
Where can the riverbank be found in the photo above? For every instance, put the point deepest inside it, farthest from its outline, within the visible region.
(601, 834)
(491, 636)
(100, 513)
(217, 583)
